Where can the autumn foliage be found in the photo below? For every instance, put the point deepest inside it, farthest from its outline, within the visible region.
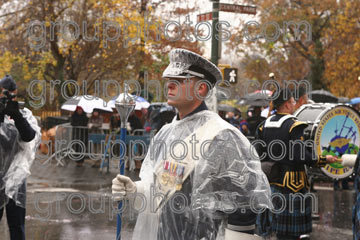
(39, 43)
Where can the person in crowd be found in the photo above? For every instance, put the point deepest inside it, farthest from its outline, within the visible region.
(255, 120)
(115, 122)
(79, 122)
(135, 123)
(95, 124)
(237, 116)
(148, 122)
(244, 128)
(230, 118)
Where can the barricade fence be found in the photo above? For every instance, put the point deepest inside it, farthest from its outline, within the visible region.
(76, 143)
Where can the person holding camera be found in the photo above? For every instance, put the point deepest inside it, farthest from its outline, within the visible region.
(19, 138)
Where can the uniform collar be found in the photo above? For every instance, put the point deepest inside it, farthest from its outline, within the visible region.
(200, 108)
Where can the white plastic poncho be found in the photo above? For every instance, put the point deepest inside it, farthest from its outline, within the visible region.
(16, 158)
(225, 177)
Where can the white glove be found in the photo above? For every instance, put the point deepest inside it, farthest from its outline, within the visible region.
(128, 126)
(122, 185)
(348, 160)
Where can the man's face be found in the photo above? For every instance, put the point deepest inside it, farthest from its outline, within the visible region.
(304, 99)
(290, 105)
(301, 101)
(357, 107)
(230, 114)
(182, 93)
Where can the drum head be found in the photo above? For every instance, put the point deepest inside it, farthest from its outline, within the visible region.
(338, 133)
(308, 113)
(311, 114)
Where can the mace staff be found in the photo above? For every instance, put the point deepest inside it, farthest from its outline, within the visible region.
(124, 106)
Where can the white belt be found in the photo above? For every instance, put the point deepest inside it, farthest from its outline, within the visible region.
(241, 228)
(234, 235)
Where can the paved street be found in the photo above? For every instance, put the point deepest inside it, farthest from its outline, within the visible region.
(74, 203)
(220, 82)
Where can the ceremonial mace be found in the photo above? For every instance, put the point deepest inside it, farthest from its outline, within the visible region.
(124, 106)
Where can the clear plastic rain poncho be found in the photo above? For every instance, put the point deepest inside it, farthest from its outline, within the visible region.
(16, 158)
(188, 198)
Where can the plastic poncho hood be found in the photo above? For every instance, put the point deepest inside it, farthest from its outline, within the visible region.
(225, 175)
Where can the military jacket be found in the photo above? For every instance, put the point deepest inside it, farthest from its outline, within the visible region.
(284, 153)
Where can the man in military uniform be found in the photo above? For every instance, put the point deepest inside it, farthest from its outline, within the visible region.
(284, 165)
(198, 190)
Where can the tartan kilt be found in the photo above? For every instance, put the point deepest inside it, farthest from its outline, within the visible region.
(293, 223)
(356, 218)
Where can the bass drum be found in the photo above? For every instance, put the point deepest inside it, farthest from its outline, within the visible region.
(335, 130)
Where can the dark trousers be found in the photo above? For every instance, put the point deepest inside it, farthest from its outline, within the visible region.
(82, 135)
(344, 184)
(16, 220)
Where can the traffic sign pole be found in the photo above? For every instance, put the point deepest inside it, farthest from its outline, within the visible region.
(217, 6)
(214, 41)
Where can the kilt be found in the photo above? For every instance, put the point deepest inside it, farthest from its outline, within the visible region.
(356, 211)
(356, 218)
(288, 222)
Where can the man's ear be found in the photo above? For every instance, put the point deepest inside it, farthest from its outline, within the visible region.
(203, 89)
(287, 104)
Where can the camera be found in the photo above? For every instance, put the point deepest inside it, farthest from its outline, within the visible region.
(6, 98)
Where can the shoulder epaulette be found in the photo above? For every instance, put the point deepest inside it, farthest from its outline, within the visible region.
(278, 123)
(261, 128)
(297, 123)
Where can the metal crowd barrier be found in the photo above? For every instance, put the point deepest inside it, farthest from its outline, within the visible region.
(70, 142)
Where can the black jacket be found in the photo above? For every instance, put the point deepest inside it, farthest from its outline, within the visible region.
(286, 152)
(79, 120)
